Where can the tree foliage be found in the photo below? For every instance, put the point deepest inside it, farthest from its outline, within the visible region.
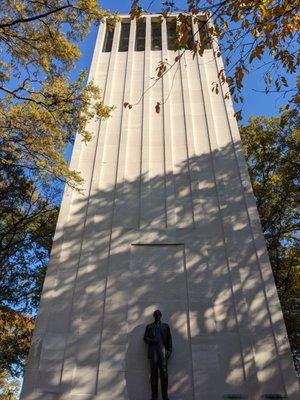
(272, 154)
(16, 331)
(39, 39)
(27, 219)
(9, 387)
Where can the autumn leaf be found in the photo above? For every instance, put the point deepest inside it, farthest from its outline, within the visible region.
(296, 99)
(238, 115)
(136, 10)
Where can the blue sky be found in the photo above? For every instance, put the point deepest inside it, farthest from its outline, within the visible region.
(254, 103)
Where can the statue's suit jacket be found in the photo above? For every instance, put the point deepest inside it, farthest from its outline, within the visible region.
(149, 338)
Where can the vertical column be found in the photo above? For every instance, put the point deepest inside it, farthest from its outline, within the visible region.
(145, 184)
(264, 347)
(131, 185)
(184, 210)
(81, 357)
(188, 125)
(244, 263)
(157, 210)
(117, 291)
(219, 241)
(126, 202)
(115, 305)
(169, 176)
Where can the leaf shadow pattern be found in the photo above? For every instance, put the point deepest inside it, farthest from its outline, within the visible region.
(188, 242)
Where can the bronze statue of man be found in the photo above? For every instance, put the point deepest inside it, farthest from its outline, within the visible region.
(159, 340)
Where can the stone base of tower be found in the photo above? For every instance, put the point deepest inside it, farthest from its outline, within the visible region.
(224, 342)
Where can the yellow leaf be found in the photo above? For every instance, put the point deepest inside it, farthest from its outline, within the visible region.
(296, 99)
(263, 10)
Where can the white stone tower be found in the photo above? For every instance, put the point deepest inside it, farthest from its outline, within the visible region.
(167, 219)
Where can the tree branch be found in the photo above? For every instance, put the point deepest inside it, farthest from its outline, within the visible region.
(34, 17)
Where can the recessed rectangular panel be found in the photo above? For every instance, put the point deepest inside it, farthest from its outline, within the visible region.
(156, 42)
(171, 34)
(158, 281)
(140, 36)
(108, 40)
(124, 39)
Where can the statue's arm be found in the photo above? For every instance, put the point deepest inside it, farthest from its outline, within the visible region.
(147, 338)
(169, 340)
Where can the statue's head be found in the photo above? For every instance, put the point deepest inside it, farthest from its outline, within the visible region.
(157, 315)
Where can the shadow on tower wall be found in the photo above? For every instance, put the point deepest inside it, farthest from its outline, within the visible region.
(220, 301)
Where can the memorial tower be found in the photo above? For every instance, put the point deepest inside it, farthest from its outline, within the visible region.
(166, 220)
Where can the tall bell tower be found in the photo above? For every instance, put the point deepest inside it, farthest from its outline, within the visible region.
(166, 220)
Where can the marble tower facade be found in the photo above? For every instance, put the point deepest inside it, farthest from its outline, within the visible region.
(166, 219)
